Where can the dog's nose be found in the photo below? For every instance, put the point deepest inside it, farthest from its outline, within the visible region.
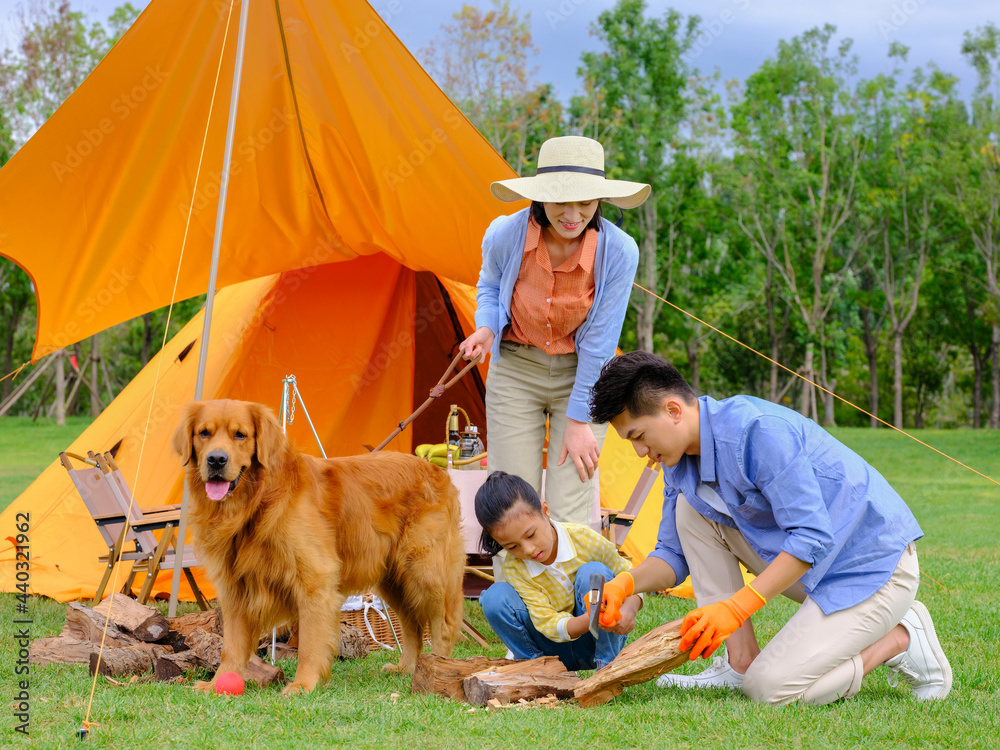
(217, 460)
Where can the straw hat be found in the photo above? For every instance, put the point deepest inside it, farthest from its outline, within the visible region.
(571, 169)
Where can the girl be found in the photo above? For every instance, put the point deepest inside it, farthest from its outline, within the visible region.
(552, 295)
(540, 609)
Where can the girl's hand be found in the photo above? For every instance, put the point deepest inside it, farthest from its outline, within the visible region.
(580, 444)
(477, 344)
(627, 622)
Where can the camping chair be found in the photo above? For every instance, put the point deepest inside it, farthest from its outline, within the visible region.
(163, 554)
(127, 542)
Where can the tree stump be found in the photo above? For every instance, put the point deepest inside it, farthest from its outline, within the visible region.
(654, 654)
(144, 623)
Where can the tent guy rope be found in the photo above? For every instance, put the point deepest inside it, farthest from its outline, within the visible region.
(816, 385)
(86, 724)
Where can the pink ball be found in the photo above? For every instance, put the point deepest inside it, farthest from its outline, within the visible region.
(229, 683)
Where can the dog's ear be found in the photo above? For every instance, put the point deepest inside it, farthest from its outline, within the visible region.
(270, 442)
(182, 435)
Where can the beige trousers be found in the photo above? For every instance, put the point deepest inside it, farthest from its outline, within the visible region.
(814, 658)
(524, 385)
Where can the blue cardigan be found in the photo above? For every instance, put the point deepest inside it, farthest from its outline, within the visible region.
(596, 339)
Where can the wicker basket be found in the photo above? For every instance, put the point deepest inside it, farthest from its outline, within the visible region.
(374, 616)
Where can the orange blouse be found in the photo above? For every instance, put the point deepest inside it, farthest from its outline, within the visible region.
(548, 305)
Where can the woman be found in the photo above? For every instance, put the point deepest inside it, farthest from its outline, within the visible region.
(553, 291)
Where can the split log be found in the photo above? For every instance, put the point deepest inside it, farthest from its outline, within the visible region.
(61, 649)
(170, 666)
(84, 624)
(484, 687)
(143, 622)
(443, 676)
(262, 673)
(654, 654)
(208, 648)
(210, 621)
(175, 640)
(353, 642)
(117, 662)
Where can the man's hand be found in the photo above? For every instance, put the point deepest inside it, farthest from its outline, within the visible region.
(580, 444)
(477, 344)
(704, 629)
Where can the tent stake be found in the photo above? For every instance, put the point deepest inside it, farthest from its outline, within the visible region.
(220, 214)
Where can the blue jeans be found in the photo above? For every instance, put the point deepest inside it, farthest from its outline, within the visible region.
(508, 616)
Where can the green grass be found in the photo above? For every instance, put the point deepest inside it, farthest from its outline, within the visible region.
(27, 447)
(959, 558)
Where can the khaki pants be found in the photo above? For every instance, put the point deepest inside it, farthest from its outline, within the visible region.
(814, 658)
(523, 386)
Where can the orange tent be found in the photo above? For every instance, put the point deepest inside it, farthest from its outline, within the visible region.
(358, 196)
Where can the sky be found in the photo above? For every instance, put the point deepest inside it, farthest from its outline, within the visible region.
(738, 35)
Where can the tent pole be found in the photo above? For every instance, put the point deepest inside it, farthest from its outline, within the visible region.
(220, 214)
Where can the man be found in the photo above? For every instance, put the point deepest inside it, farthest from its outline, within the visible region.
(749, 481)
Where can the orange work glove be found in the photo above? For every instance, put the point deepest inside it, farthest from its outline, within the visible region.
(616, 591)
(707, 627)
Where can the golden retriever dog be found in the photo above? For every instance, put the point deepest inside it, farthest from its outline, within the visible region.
(285, 536)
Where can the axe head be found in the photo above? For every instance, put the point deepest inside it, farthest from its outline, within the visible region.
(596, 595)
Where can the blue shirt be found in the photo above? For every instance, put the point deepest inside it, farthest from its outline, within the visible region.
(789, 486)
(596, 340)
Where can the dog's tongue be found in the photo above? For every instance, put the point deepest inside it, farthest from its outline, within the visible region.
(216, 490)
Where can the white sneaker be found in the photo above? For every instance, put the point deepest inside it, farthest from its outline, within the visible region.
(923, 664)
(720, 674)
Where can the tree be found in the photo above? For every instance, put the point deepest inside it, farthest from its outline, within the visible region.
(907, 132)
(636, 85)
(800, 154)
(482, 64)
(979, 195)
(55, 51)
(16, 295)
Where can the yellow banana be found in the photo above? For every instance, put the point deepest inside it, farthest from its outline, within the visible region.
(441, 449)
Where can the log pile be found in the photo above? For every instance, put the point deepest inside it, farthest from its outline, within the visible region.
(138, 639)
(502, 682)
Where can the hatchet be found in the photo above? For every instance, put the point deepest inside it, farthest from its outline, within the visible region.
(596, 597)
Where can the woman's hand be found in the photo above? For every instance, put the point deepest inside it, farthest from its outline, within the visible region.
(580, 444)
(477, 344)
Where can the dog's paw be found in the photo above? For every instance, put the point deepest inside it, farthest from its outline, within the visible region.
(297, 688)
(205, 686)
